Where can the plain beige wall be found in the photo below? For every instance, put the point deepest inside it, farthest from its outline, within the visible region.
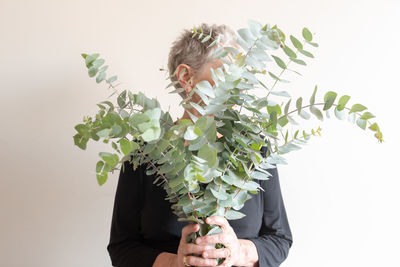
(340, 191)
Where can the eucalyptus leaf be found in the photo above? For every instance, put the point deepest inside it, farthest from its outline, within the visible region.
(99, 166)
(260, 175)
(112, 79)
(306, 53)
(367, 115)
(289, 52)
(357, 108)
(329, 99)
(92, 71)
(125, 146)
(219, 194)
(307, 35)
(296, 43)
(314, 110)
(279, 62)
(361, 123)
(342, 102)
(312, 98)
(234, 215)
(102, 177)
(299, 102)
(298, 61)
(280, 93)
(340, 114)
(100, 77)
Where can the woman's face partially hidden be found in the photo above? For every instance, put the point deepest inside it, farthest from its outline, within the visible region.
(206, 73)
(203, 74)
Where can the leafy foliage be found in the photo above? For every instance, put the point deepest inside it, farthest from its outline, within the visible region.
(211, 175)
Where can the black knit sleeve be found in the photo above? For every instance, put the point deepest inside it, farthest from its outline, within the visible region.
(126, 247)
(275, 237)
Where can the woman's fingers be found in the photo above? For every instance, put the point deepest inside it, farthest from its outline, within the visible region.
(197, 261)
(219, 220)
(212, 239)
(195, 249)
(216, 253)
(209, 254)
(188, 229)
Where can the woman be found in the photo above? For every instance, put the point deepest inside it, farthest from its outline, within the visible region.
(145, 232)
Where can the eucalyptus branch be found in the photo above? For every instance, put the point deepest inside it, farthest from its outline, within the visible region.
(191, 200)
(156, 169)
(209, 177)
(296, 139)
(113, 87)
(309, 105)
(282, 71)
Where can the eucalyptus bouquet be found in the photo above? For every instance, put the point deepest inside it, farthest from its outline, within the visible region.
(215, 175)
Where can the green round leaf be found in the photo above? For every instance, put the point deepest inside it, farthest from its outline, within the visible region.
(116, 129)
(361, 123)
(366, 116)
(104, 133)
(374, 127)
(307, 35)
(314, 110)
(357, 108)
(342, 102)
(99, 166)
(109, 158)
(92, 71)
(125, 146)
(98, 62)
(329, 99)
(151, 134)
(112, 79)
(103, 69)
(90, 58)
(234, 215)
(102, 177)
(100, 77)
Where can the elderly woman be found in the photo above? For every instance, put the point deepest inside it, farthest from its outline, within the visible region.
(145, 232)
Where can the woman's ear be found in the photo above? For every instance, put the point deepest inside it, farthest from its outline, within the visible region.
(184, 75)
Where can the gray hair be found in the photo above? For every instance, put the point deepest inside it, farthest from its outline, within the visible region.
(193, 52)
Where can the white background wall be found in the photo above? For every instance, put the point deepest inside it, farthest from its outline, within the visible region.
(340, 191)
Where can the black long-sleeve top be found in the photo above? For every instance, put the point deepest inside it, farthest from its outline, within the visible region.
(143, 224)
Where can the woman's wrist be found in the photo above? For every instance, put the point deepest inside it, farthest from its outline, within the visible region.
(248, 254)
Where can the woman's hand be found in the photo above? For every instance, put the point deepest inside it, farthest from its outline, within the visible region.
(232, 251)
(185, 249)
